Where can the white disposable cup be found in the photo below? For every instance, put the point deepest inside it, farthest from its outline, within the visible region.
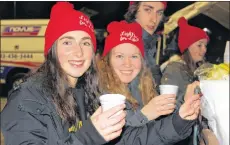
(168, 89)
(109, 101)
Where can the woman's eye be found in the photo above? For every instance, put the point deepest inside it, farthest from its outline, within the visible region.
(119, 56)
(67, 43)
(86, 44)
(134, 56)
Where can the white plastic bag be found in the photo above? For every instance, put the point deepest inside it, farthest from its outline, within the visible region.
(215, 107)
(226, 53)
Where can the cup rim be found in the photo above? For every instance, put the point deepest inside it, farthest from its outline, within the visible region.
(105, 98)
(168, 86)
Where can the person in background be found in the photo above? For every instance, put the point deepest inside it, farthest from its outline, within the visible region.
(179, 70)
(192, 42)
(122, 62)
(54, 105)
(150, 15)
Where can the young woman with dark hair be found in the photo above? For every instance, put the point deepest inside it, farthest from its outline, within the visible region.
(55, 105)
(192, 42)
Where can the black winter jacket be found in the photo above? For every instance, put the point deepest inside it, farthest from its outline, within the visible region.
(150, 42)
(29, 117)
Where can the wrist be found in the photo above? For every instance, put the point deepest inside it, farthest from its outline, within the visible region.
(150, 116)
(181, 114)
(143, 111)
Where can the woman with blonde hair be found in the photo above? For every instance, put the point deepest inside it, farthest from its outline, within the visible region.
(122, 63)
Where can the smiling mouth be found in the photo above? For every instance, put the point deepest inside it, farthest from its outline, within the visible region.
(76, 63)
(126, 72)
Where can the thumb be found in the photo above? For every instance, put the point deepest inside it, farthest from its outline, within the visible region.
(193, 99)
(97, 112)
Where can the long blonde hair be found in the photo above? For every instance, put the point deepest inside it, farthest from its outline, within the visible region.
(109, 82)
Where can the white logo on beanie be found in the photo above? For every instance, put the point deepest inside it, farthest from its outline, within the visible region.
(124, 35)
(86, 22)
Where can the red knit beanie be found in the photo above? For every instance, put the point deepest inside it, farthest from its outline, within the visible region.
(123, 32)
(189, 34)
(164, 2)
(65, 18)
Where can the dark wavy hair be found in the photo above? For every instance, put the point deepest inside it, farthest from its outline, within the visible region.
(55, 83)
(191, 66)
(130, 15)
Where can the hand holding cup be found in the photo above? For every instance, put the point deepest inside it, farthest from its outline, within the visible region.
(161, 105)
(109, 119)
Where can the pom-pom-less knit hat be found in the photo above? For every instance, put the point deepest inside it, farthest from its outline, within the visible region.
(123, 32)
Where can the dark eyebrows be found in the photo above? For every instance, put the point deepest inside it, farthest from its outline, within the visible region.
(72, 38)
(85, 38)
(151, 7)
(67, 37)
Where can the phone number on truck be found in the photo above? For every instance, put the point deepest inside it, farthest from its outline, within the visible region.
(16, 55)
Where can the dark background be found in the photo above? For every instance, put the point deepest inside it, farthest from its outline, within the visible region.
(114, 10)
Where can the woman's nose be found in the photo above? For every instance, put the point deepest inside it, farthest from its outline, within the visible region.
(78, 51)
(127, 62)
(204, 49)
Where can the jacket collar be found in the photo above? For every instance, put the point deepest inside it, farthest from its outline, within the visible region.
(149, 39)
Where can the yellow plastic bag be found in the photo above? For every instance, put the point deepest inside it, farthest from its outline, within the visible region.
(213, 72)
(219, 72)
